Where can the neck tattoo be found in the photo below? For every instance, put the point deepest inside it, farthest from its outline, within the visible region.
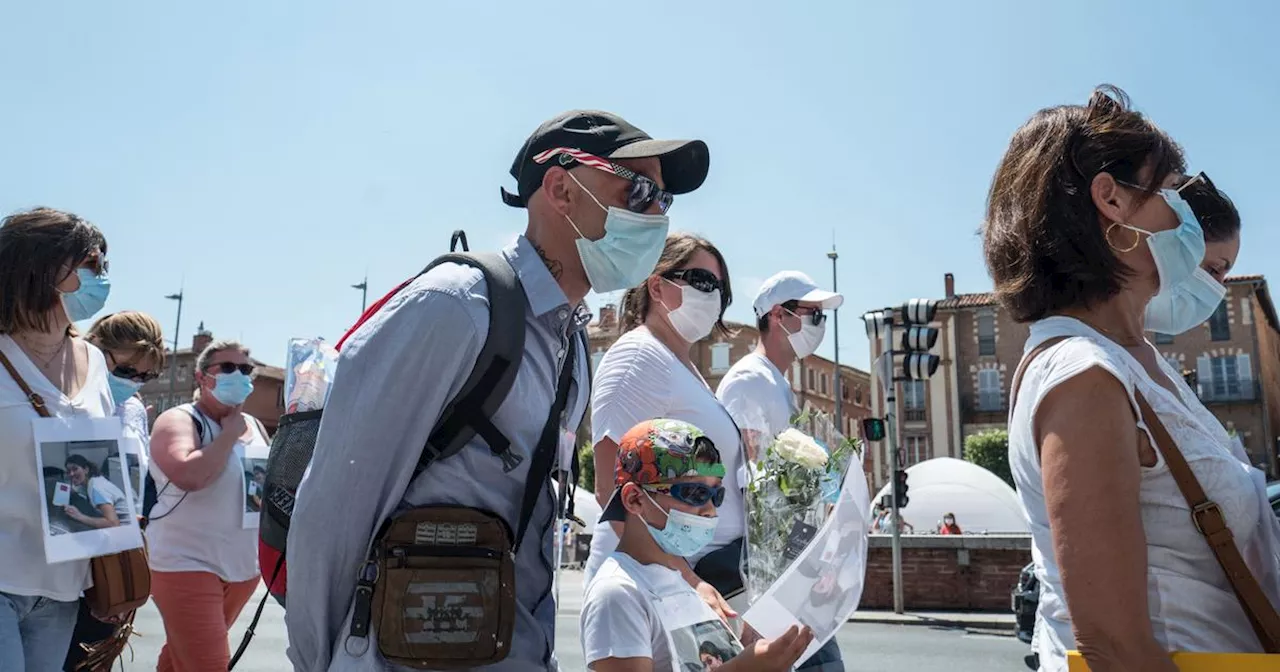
(554, 267)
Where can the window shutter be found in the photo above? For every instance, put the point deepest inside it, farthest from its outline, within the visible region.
(1245, 373)
(1204, 375)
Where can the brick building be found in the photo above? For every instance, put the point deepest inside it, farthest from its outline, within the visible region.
(812, 378)
(266, 403)
(1232, 361)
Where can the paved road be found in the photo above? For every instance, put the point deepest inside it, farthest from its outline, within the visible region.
(866, 646)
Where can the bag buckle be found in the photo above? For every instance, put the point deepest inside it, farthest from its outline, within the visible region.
(1205, 508)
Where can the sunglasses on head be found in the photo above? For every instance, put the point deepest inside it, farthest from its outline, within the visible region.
(693, 494)
(644, 191)
(231, 367)
(698, 278)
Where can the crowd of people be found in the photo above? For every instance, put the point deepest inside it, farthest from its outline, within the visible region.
(1078, 193)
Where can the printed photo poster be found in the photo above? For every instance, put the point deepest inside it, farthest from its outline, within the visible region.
(703, 646)
(254, 460)
(88, 496)
(131, 466)
(821, 589)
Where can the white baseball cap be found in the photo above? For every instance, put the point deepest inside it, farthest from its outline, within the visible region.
(793, 286)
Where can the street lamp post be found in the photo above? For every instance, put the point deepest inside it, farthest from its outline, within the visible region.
(835, 318)
(364, 293)
(173, 363)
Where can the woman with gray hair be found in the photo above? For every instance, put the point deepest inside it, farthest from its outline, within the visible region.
(203, 558)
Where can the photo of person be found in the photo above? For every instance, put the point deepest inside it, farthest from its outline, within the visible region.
(704, 646)
(255, 480)
(79, 494)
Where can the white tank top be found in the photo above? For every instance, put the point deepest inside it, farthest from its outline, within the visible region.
(203, 531)
(1192, 605)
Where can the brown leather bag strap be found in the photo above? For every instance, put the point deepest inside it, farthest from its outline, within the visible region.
(37, 401)
(1208, 519)
(1022, 368)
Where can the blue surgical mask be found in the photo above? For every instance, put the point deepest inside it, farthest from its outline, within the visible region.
(122, 388)
(91, 296)
(685, 533)
(627, 253)
(232, 389)
(1186, 305)
(1177, 251)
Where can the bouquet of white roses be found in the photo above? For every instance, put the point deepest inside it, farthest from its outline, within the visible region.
(791, 487)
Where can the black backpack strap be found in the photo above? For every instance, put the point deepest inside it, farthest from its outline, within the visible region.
(471, 411)
(548, 443)
(575, 468)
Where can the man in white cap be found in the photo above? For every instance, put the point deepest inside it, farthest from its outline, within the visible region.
(790, 313)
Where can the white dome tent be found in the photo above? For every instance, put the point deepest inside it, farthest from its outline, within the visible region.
(982, 503)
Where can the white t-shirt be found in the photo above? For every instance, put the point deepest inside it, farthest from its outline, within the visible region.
(24, 571)
(618, 620)
(640, 379)
(205, 531)
(133, 417)
(1192, 606)
(757, 395)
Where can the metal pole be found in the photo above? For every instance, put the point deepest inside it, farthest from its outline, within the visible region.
(364, 293)
(891, 431)
(835, 317)
(173, 364)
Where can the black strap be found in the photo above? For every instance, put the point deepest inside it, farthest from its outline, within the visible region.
(548, 443)
(253, 624)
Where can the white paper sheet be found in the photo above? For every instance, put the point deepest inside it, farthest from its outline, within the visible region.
(254, 459)
(72, 530)
(821, 589)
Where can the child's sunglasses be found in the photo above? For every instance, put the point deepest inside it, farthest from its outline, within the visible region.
(693, 494)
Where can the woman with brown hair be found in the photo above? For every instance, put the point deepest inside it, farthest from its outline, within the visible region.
(133, 346)
(1093, 232)
(649, 373)
(53, 272)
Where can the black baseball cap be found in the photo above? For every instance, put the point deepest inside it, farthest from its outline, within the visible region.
(608, 136)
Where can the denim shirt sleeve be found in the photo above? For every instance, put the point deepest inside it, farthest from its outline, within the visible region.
(394, 377)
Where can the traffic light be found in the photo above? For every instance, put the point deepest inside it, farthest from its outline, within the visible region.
(900, 488)
(918, 338)
(873, 429)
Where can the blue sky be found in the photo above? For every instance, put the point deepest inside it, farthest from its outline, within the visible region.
(264, 156)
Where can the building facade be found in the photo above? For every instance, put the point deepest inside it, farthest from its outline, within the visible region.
(813, 378)
(266, 403)
(1232, 361)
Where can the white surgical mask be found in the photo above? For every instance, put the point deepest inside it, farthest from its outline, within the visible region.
(807, 340)
(697, 314)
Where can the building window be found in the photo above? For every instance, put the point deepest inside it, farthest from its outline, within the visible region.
(1225, 378)
(915, 449)
(182, 372)
(844, 392)
(989, 390)
(795, 374)
(857, 395)
(812, 386)
(823, 379)
(1163, 339)
(720, 357)
(986, 333)
(1220, 324)
(913, 395)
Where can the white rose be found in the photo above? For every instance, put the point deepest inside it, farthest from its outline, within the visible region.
(796, 447)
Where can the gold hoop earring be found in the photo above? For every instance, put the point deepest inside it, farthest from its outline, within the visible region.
(1137, 238)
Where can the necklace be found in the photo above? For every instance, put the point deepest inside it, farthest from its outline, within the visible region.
(44, 360)
(1126, 342)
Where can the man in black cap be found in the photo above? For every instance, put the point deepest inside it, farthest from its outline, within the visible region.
(596, 190)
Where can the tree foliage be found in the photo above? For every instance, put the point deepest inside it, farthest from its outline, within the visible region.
(990, 450)
(586, 468)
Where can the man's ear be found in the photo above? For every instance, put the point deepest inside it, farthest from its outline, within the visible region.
(631, 499)
(559, 190)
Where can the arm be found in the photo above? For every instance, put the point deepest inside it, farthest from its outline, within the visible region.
(617, 631)
(604, 456)
(393, 379)
(108, 518)
(1088, 439)
(175, 448)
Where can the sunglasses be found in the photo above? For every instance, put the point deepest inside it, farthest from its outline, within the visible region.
(1198, 191)
(815, 315)
(693, 494)
(644, 191)
(698, 278)
(231, 367)
(129, 373)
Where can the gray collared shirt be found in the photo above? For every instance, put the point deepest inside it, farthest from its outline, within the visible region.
(395, 375)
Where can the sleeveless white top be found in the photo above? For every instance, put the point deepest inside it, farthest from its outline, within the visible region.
(1191, 602)
(203, 531)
